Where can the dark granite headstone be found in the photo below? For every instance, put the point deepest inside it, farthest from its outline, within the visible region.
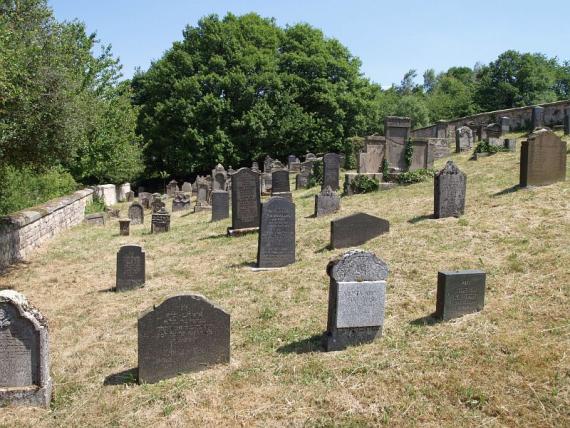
(160, 221)
(463, 139)
(280, 181)
(331, 172)
(130, 267)
(124, 227)
(246, 199)
(24, 353)
(537, 119)
(181, 202)
(220, 205)
(449, 191)
(543, 159)
(136, 213)
(183, 334)
(326, 202)
(357, 294)
(459, 293)
(356, 229)
(276, 243)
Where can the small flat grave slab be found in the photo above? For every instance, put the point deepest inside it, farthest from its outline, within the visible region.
(459, 293)
(356, 229)
(130, 267)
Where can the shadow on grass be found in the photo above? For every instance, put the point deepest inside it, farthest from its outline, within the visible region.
(426, 321)
(206, 238)
(108, 290)
(325, 248)
(314, 343)
(511, 189)
(419, 218)
(243, 264)
(125, 377)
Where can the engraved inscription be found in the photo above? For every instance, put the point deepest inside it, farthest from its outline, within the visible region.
(360, 304)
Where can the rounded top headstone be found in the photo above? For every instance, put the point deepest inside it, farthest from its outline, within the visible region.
(26, 309)
(357, 265)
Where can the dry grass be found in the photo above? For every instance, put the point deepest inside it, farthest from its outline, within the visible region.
(506, 366)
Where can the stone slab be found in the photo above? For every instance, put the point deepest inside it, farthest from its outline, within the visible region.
(356, 229)
(130, 267)
(459, 293)
(360, 304)
(276, 243)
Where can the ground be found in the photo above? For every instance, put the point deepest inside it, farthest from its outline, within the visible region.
(505, 366)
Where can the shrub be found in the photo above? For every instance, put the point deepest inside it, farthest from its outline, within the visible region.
(410, 177)
(96, 206)
(485, 147)
(364, 184)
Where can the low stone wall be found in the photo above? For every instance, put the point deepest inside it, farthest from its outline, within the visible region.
(24, 231)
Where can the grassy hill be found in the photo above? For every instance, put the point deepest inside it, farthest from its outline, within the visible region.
(506, 366)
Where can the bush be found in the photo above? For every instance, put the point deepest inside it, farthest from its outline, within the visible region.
(411, 177)
(97, 206)
(364, 184)
(485, 147)
(24, 188)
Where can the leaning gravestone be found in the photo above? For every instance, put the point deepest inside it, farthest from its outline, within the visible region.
(463, 139)
(326, 202)
(280, 181)
(543, 159)
(449, 192)
(130, 267)
(136, 213)
(24, 353)
(357, 295)
(276, 243)
(246, 201)
(356, 229)
(331, 172)
(459, 293)
(160, 221)
(220, 205)
(183, 334)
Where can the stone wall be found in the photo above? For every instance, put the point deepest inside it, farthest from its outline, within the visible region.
(24, 231)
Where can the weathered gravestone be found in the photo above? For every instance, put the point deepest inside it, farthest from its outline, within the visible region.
(97, 219)
(172, 188)
(331, 171)
(309, 157)
(267, 164)
(124, 227)
(459, 293)
(220, 205)
(157, 205)
(136, 213)
(24, 353)
(369, 160)
(326, 202)
(494, 135)
(187, 187)
(356, 229)
(160, 221)
(357, 295)
(145, 198)
(130, 267)
(276, 243)
(543, 159)
(181, 202)
(183, 334)
(505, 123)
(219, 176)
(130, 196)
(449, 192)
(203, 189)
(537, 117)
(280, 181)
(246, 201)
(567, 121)
(463, 139)
(255, 167)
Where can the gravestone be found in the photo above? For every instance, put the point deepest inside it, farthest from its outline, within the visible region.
(302, 179)
(203, 187)
(160, 221)
(370, 158)
(202, 206)
(172, 188)
(97, 219)
(463, 139)
(220, 205)
(144, 199)
(482, 132)
(356, 229)
(357, 295)
(537, 118)
(309, 157)
(459, 293)
(219, 176)
(326, 202)
(511, 144)
(276, 243)
(187, 187)
(255, 167)
(280, 181)
(422, 155)
(293, 163)
(130, 196)
(136, 213)
(505, 123)
(543, 159)
(397, 132)
(185, 333)
(24, 353)
(567, 121)
(449, 191)
(124, 227)
(266, 184)
(267, 164)
(130, 267)
(331, 171)
(181, 202)
(494, 135)
(157, 205)
(246, 201)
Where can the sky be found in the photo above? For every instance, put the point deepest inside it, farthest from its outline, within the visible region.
(389, 37)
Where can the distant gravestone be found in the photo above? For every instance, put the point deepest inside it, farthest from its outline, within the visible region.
(463, 139)
(130, 267)
(459, 293)
(280, 181)
(219, 176)
(537, 118)
(183, 334)
(567, 121)
(187, 187)
(505, 123)
(543, 159)
(286, 195)
(302, 179)
(130, 196)
(331, 172)
(511, 144)
(276, 243)
(144, 199)
(157, 205)
(326, 202)
(357, 295)
(369, 160)
(172, 188)
(124, 227)
(160, 221)
(220, 205)
(181, 202)
(267, 164)
(255, 167)
(136, 213)
(356, 229)
(246, 201)
(449, 192)
(266, 184)
(309, 157)
(24, 353)
(494, 134)
(97, 219)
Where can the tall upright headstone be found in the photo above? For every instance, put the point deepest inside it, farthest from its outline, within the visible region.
(136, 213)
(24, 353)
(543, 159)
(331, 171)
(397, 131)
(537, 118)
(130, 267)
(449, 191)
(459, 293)
(463, 139)
(220, 205)
(160, 221)
(356, 229)
(280, 181)
(185, 333)
(276, 243)
(246, 200)
(357, 295)
(370, 158)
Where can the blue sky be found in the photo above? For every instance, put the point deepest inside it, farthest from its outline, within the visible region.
(390, 37)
